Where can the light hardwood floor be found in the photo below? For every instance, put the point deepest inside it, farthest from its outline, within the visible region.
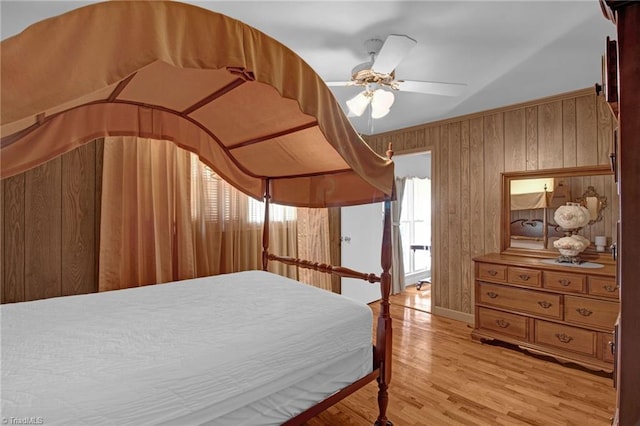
(442, 377)
(414, 298)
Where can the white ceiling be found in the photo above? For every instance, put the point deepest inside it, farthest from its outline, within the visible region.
(505, 51)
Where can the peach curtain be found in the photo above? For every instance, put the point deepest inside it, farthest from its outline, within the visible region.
(139, 219)
(228, 227)
(165, 217)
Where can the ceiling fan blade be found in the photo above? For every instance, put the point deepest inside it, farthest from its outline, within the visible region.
(394, 49)
(340, 83)
(431, 87)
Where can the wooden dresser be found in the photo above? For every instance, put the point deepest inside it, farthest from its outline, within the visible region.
(566, 312)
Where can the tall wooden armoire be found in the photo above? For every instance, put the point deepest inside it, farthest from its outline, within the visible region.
(622, 89)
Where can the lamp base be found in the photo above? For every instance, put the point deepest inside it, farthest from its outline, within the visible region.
(576, 260)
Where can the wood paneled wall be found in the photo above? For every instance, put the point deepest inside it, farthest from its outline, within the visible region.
(469, 154)
(50, 227)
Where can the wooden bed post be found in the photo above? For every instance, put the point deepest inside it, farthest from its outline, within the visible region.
(265, 229)
(384, 336)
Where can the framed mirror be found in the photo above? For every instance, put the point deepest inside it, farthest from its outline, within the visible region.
(530, 199)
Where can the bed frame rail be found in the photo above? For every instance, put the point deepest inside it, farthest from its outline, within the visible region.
(323, 267)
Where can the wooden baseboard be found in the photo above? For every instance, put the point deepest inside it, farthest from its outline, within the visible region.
(455, 315)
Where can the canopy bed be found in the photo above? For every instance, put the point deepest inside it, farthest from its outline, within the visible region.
(191, 351)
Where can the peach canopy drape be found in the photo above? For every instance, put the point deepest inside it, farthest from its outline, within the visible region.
(211, 84)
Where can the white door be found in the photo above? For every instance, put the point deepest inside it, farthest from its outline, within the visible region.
(361, 246)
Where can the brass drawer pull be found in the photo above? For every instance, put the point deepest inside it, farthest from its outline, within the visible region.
(492, 272)
(545, 304)
(564, 338)
(612, 347)
(584, 312)
(524, 277)
(564, 283)
(492, 295)
(610, 288)
(502, 323)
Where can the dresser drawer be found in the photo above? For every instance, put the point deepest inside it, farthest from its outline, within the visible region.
(493, 272)
(604, 287)
(570, 283)
(503, 322)
(606, 346)
(584, 311)
(524, 276)
(564, 337)
(518, 299)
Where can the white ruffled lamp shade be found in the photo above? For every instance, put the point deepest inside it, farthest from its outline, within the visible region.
(572, 216)
(381, 103)
(359, 103)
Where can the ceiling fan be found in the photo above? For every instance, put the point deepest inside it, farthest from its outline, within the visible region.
(377, 77)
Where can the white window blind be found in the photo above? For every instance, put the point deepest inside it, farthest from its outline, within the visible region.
(221, 202)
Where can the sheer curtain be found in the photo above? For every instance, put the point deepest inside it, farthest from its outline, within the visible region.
(165, 217)
(397, 262)
(139, 230)
(228, 227)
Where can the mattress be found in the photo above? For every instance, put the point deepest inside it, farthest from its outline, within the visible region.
(249, 348)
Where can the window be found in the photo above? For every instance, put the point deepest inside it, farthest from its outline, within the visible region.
(277, 213)
(415, 224)
(220, 202)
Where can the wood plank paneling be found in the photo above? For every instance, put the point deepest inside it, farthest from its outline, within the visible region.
(476, 198)
(493, 161)
(99, 150)
(13, 239)
(441, 286)
(43, 216)
(454, 171)
(421, 140)
(564, 131)
(550, 135)
(476, 184)
(587, 133)
(531, 123)
(335, 247)
(50, 227)
(515, 143)
(569, 148)
(466, 218)
(78, 221)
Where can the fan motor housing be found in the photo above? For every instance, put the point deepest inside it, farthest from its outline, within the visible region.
(366, 76)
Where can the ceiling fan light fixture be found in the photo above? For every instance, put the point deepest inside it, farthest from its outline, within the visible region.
(379, 113)
(358, 104)
(381, 102)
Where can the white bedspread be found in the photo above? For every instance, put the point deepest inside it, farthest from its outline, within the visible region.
(190, 352)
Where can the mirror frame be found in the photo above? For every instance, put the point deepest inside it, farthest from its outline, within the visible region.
(505, 217)
(602, 202)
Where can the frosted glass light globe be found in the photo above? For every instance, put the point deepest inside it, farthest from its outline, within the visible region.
(572, 216)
